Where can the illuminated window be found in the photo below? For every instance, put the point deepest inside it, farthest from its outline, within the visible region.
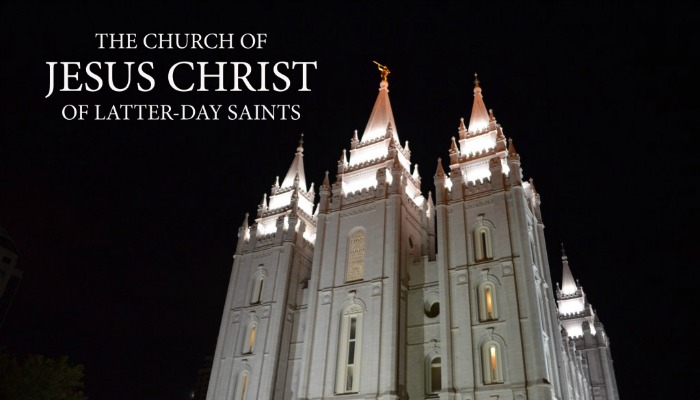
(250, 339)
(487, 302)
(482, 244)
(356, 256)
(492, 363)
(435, 376)
(348, 373)
(256, 296)
(242, 386)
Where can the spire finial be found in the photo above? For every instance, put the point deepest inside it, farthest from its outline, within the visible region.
(563, 252)
(383, 69)
(300, 148)
(477, 88)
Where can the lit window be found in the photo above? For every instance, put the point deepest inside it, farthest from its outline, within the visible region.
(435, 375)
(257, 290)
(348, 374)
(492, 363)
(356, 256)
(242, 386)
(482, 244)
(487, 302)
(250, 339)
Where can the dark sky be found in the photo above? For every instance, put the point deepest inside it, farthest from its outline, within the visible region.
(126, 229)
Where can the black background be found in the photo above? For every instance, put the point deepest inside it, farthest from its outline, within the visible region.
(126, 229)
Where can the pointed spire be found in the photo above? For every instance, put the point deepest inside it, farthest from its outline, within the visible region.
(480, 117)
(343, 158)
(440, 171)
(297, 167)
(511, 150)
(462, 127)
(568, 284)
(532, 186)
(397, 163)
(381, 114)
(262, 207)
(453, 146)
(415, 172)
(326, 182)
(244, 226)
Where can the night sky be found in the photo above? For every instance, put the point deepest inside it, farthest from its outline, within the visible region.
(126, 229)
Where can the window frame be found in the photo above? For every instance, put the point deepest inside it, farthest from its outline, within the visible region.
(483, 244)
(491, 351)
(242, 383)
(249, 338)
(483, 290)
(430, 363)
(346, 344)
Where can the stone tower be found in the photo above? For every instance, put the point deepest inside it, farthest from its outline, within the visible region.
(584, 340)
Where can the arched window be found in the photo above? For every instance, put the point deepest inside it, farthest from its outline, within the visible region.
(241, 386)
(348, 373)
(487, 302)
(256, 295)
(356, 256)
(249, 343)
(483, 250)
(434, 375)
(492, 362)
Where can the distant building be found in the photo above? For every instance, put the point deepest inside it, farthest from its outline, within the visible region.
(200, 391)
(375, 291)
(10, 275)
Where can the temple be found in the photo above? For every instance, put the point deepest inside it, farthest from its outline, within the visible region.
(373, 289)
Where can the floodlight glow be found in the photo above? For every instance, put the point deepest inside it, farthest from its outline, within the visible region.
(369, 153)
(480, 170)
(280, 200)
(477, 144)
(572, 306)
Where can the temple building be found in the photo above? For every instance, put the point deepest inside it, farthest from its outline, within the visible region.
(372, 289)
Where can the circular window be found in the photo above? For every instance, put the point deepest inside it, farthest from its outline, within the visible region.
(432, 308)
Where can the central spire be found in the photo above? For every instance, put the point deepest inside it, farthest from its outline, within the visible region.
(381, 115)
(480, 117)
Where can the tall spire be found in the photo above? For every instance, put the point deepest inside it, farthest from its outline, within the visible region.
(568, 284)
(381, 113)
(297, 167)
(480, 117)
